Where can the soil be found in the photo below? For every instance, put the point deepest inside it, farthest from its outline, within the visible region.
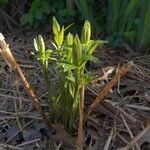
(119, 121)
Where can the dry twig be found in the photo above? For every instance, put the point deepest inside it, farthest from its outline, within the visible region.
(129, 131)
(121, 72)
(6, 53)
(112, 132)
(137, 138)
(7, 146)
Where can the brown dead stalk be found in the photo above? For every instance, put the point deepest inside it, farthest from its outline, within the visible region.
(6, 53)
(121, 72)
(129, 131)
(133, 141)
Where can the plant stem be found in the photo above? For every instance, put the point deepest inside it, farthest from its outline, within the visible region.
(49, 87)
(80, 128)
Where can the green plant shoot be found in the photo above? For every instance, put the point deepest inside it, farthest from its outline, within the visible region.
(71, 55)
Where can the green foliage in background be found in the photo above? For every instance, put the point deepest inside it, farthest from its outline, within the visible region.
(129, 20)
(41, 11)
(122, 15)
(69, 56)
(3, 1)
(85, 9)
(93, 11)
(118, 21)
(65, 10)
(143, 35)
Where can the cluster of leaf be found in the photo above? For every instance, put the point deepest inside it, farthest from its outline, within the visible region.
(41, 11)
(71, 55)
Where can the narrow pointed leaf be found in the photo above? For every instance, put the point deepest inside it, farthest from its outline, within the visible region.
(56, 26)
(76, 51)
(36, 44)
(86, 33)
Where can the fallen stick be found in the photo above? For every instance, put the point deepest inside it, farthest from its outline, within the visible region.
(121, 72)
(129, 131)
(7, 55)
(137, 138)
(8, 146)
(111, 135)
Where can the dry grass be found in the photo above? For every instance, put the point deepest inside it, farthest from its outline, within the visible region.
(120, 120)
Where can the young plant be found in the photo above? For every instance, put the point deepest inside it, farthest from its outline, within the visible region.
(71, 55)
(43, 56)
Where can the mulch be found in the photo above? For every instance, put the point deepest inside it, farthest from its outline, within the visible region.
(121, 121)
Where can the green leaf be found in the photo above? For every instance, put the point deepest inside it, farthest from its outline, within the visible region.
(61, 36)
(56, 27)
(3, 1)
(64, 62)
(66, 65)
(39, 14)
(76, 51)
(27, 19)
(69, 26)
(86, 32)
(143, 37)
(36, 4)
(69, 39)
(86, 58)
(48, 53)
(41, 44)
(71, 78)
(87, 79)
(93, 44)
(71, 87)
(58, 33)
(46, 8)
(36, 44)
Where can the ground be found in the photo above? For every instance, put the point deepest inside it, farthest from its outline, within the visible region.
(123, 115)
